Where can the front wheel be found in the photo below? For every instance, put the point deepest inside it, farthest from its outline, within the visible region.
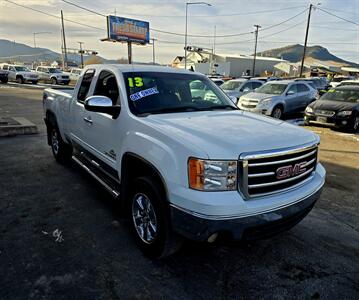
(53, 81)
(150, 220)
(61, 150)
(356, 124)
(277, 112)
(20, 80)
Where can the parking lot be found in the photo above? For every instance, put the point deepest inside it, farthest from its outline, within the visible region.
(63, 237)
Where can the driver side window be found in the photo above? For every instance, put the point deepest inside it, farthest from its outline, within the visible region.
(293, 89)
(107, 86)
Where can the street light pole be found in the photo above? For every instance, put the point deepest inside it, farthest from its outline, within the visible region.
(186, 29)
(153, 51)
(255, 50)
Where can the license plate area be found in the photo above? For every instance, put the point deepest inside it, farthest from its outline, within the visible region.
(322, 119)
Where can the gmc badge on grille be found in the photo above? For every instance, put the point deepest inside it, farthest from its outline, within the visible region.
(289, 171)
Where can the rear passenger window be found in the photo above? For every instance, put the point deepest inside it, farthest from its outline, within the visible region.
(256, 85)
(85, 85)
(302, 88)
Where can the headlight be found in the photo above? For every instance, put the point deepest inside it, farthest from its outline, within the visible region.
(212, 175)
(265, 102)
(344, 113)
(309, 110)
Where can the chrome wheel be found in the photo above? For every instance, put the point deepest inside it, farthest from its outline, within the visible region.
(55, 142)
(144, 218)
(277, 113)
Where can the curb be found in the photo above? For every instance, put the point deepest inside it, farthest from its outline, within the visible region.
(16, 126)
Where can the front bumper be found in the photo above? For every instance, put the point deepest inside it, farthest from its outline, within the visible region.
(337, 122)
(246, 228)
(259, 110)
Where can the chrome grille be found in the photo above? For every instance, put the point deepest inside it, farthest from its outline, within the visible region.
(325, 113)
(272, 172)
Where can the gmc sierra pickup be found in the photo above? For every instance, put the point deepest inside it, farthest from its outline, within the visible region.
(180, 165)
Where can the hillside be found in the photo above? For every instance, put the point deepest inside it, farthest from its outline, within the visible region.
(25, 53)
(293, 53)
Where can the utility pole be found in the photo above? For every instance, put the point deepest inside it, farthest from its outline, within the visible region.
(255, 49)
(153, 51)
(82, 55)
(214, 39)
(64, 60)
(305, 41)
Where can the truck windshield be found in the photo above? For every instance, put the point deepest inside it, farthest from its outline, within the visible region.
(165, 92)
(272, 88)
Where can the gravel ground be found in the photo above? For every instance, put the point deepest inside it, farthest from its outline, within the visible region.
(63, 237)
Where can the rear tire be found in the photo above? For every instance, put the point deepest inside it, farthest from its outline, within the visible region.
(150, 219)
(277, 112)
(5, 80)
(61, 150)
(355, 127)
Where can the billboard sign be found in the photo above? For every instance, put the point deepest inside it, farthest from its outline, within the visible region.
(128, 30)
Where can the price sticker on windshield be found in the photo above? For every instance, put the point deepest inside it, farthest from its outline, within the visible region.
(135, 82)
(141, 94)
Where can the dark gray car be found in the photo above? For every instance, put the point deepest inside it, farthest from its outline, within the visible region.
(276, 98)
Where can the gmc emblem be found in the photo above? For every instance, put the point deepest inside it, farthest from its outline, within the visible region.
(290, 171)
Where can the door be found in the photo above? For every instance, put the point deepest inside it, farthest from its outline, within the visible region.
(292, 99)
(12, 73)
(102, 134)
(80, 123)
(304, 92)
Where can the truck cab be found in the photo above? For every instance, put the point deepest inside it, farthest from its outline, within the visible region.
(183, 167)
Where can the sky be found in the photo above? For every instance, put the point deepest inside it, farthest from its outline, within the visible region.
(341, 37)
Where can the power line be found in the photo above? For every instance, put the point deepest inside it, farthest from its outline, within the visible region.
(285, 21)
(339, 17)
(54, 16)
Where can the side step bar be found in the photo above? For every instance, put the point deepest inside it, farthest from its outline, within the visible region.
(115, 193)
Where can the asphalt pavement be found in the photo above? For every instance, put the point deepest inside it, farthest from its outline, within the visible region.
(63, 237)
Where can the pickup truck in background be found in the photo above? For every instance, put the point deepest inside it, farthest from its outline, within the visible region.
(20, 74)
(52, 75)
(181, 166)
(3, 76)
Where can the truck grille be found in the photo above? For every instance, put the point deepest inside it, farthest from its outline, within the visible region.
(268, 173)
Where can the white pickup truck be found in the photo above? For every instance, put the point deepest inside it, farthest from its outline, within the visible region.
(182, 166)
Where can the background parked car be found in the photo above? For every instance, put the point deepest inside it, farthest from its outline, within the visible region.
(276, 98)
(3, 76)
(20, 74)
(53, 75)
(338, 108)
(217, 81)
(74, 74)
(318, 83)
(237, 87)
(349, 82)
(337, 80)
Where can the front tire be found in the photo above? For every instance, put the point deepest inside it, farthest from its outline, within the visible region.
(355, 127)
(277, 112)
(150, 219)
(53, 81)
(20, 80)
(61, 150)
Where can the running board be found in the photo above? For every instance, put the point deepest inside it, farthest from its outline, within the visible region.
(115, 193)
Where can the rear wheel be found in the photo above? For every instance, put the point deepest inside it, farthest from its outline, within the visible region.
(277, 112)
(4, 80)
(61, 150)
(150, 219)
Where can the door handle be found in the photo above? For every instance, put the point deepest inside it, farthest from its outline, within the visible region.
(88, 120)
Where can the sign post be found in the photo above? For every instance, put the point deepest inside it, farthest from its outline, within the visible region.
(128, 31)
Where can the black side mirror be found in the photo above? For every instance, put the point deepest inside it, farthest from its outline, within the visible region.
(102, 104)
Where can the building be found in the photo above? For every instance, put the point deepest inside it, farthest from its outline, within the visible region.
(227, 65)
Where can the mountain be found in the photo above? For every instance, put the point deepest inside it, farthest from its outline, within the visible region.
(10, 50)
(293, 53)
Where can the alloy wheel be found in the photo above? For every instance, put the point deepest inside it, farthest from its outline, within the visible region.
(144, 218)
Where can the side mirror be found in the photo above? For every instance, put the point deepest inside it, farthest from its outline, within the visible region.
(102, 104)
(290, 93)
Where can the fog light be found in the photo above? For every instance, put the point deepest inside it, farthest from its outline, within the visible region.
(344, 122)
(212, 238)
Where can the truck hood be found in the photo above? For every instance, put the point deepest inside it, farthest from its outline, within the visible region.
(227, 134)
(333, 105)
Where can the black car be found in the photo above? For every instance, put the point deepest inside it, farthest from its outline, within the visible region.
(3, 76)
(338, 108)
